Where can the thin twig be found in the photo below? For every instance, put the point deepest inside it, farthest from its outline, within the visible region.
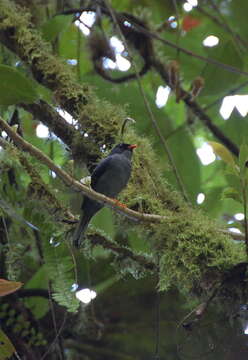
(56, 338)
(51, 305)
(121, 251)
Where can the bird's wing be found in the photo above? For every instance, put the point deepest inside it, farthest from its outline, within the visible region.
(100, 170)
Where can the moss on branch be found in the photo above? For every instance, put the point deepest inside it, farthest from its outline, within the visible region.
(101, 123)
(192, 250)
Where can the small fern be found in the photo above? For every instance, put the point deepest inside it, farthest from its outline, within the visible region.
(60, 269)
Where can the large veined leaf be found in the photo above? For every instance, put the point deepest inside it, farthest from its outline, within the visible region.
(15, 87)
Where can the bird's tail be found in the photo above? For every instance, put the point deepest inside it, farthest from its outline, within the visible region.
(80, 230)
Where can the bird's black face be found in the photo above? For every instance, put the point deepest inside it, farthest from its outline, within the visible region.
(123, 148)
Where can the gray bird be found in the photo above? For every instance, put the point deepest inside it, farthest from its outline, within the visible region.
(109, 178)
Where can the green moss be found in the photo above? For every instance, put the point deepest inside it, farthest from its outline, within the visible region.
(37, 53)
(99, 119)
(191, 248)
(193, 251)
(148, 191)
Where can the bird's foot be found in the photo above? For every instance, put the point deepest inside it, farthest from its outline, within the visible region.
(119, 203)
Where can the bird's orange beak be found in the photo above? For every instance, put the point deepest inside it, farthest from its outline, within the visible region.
(133, 146)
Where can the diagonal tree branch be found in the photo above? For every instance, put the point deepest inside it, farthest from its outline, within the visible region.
(74, 184)
(77, 186)
(121, 251)
(46, 114)
(19, 36)
(53, 205)
(190, 245)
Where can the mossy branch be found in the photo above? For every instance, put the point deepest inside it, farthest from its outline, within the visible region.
(121, 251)
(77, 186)
(192, 248)
(51, 203)
(19, 35)
(74, 184)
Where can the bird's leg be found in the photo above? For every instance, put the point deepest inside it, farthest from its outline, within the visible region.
(119, 203)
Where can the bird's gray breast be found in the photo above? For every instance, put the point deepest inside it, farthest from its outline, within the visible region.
(115, 177)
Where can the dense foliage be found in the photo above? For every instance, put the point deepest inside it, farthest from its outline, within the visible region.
(71, 72)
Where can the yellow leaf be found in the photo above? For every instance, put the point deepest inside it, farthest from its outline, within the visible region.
(221, 151)
(8, 287)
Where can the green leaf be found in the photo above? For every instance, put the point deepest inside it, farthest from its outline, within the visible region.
(233, 181)
(106, 284)
(231, 193)
(15, 88)
(238, 16)
(38, 305)
(54, 26)
(218, 79)
(186, 161)
(233, 170)
(212, 203)
(68, 42)
(137, 242)
(6, 347)
(236, 128)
